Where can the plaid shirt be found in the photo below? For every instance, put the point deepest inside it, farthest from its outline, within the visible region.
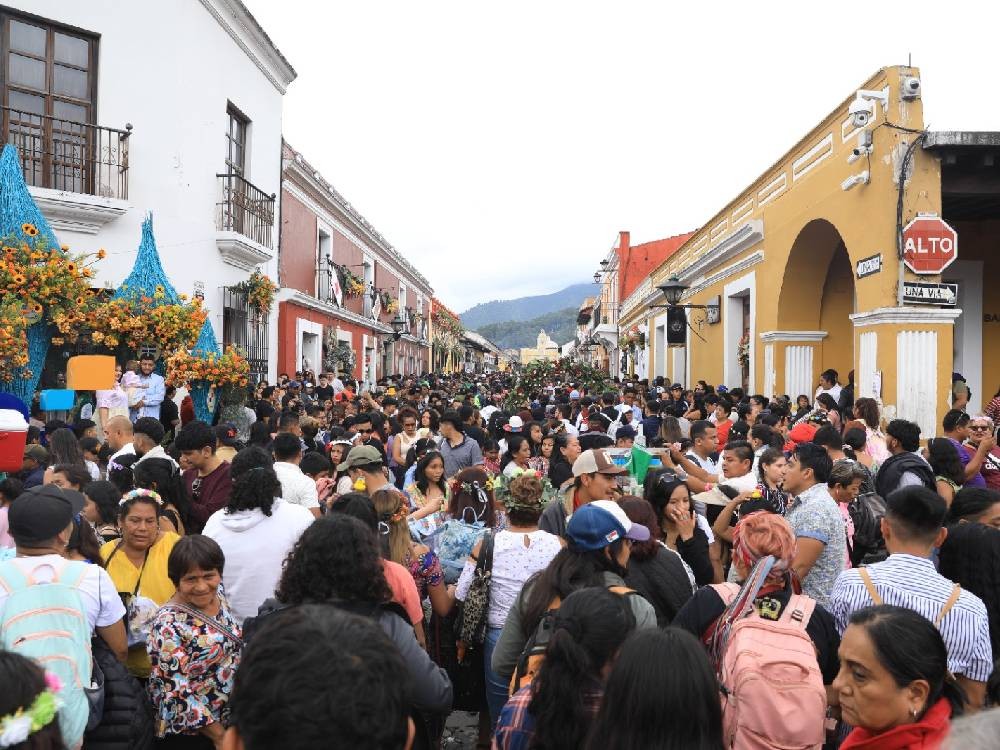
(516, 725)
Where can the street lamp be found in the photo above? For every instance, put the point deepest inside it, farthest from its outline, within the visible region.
(597, 277)
(398, 326)
(673, 290)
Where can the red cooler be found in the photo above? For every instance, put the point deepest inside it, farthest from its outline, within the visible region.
(13, 436)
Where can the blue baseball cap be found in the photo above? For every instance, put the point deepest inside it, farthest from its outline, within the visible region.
(601, 523)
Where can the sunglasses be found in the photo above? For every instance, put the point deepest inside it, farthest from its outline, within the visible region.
(979, 427)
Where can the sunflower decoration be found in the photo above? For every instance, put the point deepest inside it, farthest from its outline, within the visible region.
(43, 284)
(228, 370)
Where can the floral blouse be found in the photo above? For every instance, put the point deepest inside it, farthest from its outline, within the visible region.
(426, 526)
(193, 665)
(426, 571)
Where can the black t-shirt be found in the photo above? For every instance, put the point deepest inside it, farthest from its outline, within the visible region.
(324, 393)
(168, 414)
(705, 607)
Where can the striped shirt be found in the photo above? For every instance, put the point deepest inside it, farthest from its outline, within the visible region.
(912, 582)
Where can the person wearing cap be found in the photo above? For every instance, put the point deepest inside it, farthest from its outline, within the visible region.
(147, 433)
(514, 426)
(365, 466)
(41, 523)
(33, 465)
(599, 540)
(458, 450)
(593, 479)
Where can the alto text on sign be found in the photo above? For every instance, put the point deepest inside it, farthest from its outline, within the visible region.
(929, 245)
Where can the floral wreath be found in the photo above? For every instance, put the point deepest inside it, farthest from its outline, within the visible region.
(15, 728)
(134, 494)
(503, 494)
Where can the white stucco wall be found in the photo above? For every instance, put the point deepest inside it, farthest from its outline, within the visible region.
(170, 68)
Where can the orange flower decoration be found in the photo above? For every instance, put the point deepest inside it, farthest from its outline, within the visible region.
(29, 229)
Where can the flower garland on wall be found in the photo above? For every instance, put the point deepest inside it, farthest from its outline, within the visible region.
(743, 351)
(144, 320)
(536, 376)
(229, 369)
(351, 284)
(260, 291)
(40, 284)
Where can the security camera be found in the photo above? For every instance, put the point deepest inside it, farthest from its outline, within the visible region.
(857, 152)
(860, 112)
(854, 180)
(911, 88)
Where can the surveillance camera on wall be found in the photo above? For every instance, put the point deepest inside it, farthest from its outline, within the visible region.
(911, 88)
(860, 112)
(854, 180)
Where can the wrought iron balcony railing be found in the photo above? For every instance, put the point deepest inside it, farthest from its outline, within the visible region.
(246, 209)
(71, 156)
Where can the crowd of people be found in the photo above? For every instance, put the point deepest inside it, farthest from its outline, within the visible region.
(649, 566)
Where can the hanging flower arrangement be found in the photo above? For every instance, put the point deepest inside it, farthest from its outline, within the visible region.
(226, 370)
(350, 283)
(260, 291)
(38, 282)
(143, 321)
(392, 307)
(743, 352)
(447, 322)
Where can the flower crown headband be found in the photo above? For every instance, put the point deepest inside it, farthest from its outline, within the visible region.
(15, 728)
(135, 494)
(510, 502)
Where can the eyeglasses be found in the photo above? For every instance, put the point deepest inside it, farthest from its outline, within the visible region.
(979, 427)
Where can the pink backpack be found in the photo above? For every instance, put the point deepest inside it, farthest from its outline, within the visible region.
(772, 689)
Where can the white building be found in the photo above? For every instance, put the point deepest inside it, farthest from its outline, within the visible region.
(119, 108)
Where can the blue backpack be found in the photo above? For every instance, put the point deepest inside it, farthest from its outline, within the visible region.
(45, 621)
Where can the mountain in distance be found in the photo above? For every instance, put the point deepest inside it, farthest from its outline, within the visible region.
(527, 308)
(560, 325)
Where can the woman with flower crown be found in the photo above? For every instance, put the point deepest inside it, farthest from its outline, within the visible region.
(29, 705)
(519, 551)
(137, 563)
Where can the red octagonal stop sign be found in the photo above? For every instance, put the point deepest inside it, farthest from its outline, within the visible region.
(929, 245)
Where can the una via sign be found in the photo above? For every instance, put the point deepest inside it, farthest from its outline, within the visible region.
(869, 266)
(930, 294)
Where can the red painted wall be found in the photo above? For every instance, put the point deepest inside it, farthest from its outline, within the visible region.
(289, 313)
(297, 257)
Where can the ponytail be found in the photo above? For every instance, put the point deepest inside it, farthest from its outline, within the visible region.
(587, 632)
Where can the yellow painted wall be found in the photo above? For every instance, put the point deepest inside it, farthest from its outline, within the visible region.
(980, 240)
(806, 217)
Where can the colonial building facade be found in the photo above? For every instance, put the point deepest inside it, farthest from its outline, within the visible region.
(810, 268)
(114, 116)
(348, 301)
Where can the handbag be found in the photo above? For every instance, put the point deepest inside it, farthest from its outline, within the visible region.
(472, 623)
(139, 610)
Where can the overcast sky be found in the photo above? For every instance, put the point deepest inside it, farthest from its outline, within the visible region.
(501, 146)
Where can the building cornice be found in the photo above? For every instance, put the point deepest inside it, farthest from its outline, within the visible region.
(239, 23)
(743, 237)
(341, 214)
(312, 303)
(770, 337)
(906, 316)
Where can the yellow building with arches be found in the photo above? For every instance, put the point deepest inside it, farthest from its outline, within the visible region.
(804, 264)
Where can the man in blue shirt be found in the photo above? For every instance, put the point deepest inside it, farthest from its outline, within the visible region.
(154, 393)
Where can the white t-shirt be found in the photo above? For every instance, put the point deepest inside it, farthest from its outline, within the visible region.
(834, 392)
(101, 602)
(745, 483)
(255, 546)
(296, 487)
(706, 464)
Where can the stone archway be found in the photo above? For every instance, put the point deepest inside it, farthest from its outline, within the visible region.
(816, 300)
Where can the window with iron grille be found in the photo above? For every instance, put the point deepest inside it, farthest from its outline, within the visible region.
(236, 141)
(245, 328)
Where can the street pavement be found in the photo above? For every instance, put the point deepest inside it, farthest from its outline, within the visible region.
(460, 731)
